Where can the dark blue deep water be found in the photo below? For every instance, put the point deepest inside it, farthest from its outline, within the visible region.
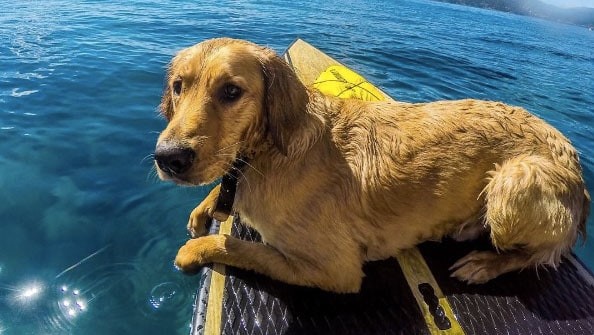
(88, 233)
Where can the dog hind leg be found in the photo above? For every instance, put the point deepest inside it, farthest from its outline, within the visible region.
(533, 208)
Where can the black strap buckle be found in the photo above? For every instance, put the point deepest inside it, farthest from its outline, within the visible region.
(224, 205)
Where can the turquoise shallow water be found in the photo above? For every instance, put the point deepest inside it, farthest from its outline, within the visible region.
(89, 233)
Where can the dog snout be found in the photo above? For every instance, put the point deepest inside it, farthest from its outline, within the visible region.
(174, 160)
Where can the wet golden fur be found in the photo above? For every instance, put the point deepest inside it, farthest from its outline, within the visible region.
(334, 183)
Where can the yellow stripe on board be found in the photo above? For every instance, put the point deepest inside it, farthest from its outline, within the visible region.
(214, 311)
(417, 273)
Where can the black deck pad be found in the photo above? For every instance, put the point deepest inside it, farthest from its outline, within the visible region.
(528, 302)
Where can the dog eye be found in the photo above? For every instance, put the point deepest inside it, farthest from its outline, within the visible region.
(177, 86)
(230, 93)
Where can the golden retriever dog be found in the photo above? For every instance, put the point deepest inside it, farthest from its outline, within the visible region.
(332, 183)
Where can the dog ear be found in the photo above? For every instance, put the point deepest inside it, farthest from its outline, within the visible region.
(166, 106)
(291, 124)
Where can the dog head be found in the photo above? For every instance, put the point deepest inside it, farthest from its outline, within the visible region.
(223, 99)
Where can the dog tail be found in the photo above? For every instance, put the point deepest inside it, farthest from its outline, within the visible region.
(585, 213)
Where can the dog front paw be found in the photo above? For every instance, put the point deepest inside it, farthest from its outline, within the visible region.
(197, 222)
(190, 257)
(197, 252)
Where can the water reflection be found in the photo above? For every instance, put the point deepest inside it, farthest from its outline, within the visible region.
(100, 285)
(34, 302)
(51, 304)
(29, 293)
(36, 305)
(165, 295)
(72, 303)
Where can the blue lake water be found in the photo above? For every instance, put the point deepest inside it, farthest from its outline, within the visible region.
(88, 233)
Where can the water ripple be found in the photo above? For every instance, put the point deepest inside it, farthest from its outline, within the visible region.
(16, 93)
(166, 296)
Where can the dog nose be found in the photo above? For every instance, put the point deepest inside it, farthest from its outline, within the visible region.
(174, 160)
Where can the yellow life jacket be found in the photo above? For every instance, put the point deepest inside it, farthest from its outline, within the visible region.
(342, 82)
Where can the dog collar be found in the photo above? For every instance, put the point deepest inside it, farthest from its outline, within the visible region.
(224, 204)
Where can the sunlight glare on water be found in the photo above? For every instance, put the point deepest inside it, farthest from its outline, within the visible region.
(28, 293)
